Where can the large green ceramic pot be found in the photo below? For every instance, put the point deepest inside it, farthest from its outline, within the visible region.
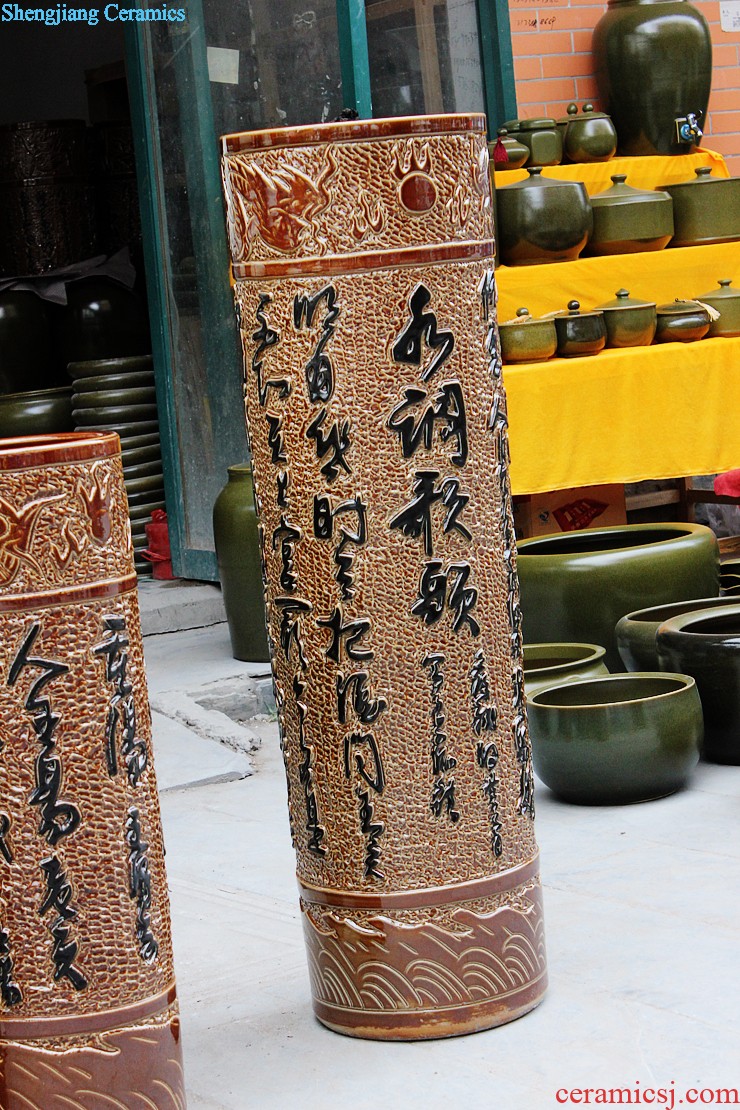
(616, 739)
(635, 632)
(548, 664)
(236, 537)
(653, 65)
(706, 645)
(37, 412)
(542, 219)
(575, 586)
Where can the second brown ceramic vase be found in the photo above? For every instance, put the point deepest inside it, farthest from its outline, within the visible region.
(362, 256)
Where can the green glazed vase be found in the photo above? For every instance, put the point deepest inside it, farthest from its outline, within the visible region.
(236, 537)
(653, 65)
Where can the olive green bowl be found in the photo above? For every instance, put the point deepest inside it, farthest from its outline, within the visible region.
(546, 664)
(135, 364)
(635, 632)
(145, 510)
(135, 380)
(617, 739)
(706, 645)
(38, 412)
(575, 586)
(141, 470)
(106, 398)
(138, 456)
(113, 414)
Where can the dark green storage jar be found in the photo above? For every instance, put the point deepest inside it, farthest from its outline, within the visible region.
(240, 565)
(653, 64)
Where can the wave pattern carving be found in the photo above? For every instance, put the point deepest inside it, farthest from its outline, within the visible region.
(387, 965)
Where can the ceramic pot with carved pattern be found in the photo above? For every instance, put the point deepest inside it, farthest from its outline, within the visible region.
(363, 264)
(88, 1009)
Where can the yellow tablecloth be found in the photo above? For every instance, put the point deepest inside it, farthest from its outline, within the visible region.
(652, 275)
(642, 173)
(622, 416)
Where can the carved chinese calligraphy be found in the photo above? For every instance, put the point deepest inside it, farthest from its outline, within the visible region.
(377, 421)
(86, 972)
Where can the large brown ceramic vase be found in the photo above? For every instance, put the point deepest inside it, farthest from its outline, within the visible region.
(362, 257)
(88, 1013)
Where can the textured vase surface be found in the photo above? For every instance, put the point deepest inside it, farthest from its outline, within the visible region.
(88, 1012)
(363, 264)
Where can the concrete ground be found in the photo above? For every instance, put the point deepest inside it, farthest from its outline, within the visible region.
(642, 911)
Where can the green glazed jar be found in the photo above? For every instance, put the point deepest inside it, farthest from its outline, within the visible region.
(653, 64)
(236, 536)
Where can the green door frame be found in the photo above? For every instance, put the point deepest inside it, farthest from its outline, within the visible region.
(221, 350)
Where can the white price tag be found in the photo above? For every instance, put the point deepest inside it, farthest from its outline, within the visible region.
(223, 65)
(729, 15)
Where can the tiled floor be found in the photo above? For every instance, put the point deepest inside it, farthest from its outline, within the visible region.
(643, 922)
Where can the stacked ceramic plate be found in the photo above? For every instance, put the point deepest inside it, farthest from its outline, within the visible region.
(117, 395)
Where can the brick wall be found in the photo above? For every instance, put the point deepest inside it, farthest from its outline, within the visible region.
(553, 65)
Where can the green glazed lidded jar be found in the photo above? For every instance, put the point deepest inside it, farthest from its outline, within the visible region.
(541, 137)
(590, 137)
(628, 220)
(236, 536)
(527, 338)
(727, 302)
(630, 322)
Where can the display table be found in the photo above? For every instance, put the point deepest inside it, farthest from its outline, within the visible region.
(651, 275)
(663, 411)
(669, 411)
(642, 173)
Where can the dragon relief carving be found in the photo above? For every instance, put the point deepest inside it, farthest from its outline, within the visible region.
(17, 529)
(367, 218)
(77, 532)
(278, 205)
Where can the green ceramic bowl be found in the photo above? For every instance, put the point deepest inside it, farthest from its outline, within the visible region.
(144, 510)
(617, 739)
(143, 490)
(575, 586)
(115, 398)
(133, 380)
(706, 645)
(548, 664)
(127, 429)
(142, 470)
(635, 632)
(134, 365)
(113, 414)
(143, 483)
(139, 456)
(134, 442)
(38, 412)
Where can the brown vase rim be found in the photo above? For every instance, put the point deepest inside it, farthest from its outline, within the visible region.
(24, 452)
(359, 130)
(336, 264)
